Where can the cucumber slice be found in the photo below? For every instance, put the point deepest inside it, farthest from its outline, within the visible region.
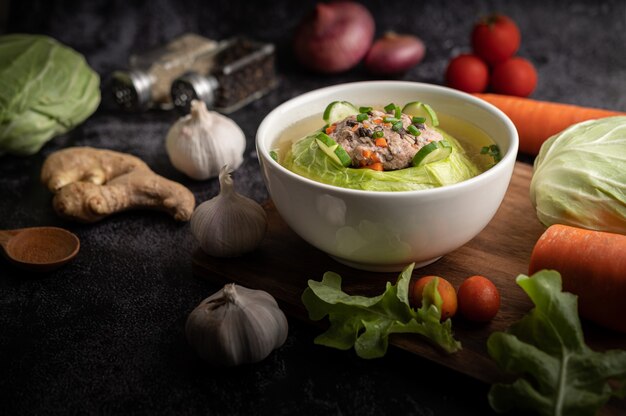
(338, 110)
(337, 153)
(420, 109)
(432, 152)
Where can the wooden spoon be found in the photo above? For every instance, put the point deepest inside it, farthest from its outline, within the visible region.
(39, 249)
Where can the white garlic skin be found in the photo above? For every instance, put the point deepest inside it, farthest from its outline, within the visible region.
(236, 325)
(203, 141)
(229, 224)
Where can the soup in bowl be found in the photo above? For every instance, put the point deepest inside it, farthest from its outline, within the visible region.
(386, 209)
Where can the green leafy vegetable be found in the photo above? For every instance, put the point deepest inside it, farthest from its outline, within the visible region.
(46, 89)
(493, 151)
(579, 176)
(560, 374)
(367, 322)
(307, 159)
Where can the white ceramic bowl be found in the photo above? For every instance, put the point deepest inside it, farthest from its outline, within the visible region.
(385, 231)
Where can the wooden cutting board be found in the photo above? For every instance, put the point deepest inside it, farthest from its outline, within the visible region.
(284, 262)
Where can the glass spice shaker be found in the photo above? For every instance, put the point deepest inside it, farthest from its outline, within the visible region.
(243, 71)
(147, 82)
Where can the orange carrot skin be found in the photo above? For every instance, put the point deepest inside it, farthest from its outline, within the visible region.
(536, 121)
(592, 265)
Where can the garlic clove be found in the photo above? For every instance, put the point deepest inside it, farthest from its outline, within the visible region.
(236, 325)
(229, 224)
(201, 142)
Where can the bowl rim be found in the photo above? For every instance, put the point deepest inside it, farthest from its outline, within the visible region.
(499, 168)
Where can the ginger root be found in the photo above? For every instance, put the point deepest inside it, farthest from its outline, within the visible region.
(90, 184)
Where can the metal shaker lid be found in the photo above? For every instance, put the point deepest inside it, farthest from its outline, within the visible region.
(192, 86)
(132, 89)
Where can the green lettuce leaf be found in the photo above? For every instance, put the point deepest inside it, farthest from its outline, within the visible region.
(559, 373)
(46, 89)
(367, 322)
(307, 159)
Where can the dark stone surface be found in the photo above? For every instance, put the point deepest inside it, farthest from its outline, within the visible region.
(104, 335)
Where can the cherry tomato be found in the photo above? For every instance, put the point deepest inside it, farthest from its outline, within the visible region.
(468, 73)
(478, 299)
(515, 76)
(446, 291)
(495, 38)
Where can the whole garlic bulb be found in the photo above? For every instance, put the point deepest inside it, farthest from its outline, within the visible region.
(236, 325)
(229, 224)
(201, 142)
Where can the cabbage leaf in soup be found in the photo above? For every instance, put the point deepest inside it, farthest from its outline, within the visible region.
(306, 159)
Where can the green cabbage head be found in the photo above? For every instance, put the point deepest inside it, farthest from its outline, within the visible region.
(46, 89)
(579, 176)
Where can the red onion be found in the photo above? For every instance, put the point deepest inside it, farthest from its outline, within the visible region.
(394, 54)
(334, 37)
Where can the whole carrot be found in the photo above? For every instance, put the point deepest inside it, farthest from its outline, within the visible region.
(592, 265)
(536, 121)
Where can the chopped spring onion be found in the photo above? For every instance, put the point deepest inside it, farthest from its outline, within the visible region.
(390, 108)
(414, 130)
(397, 126)
(361, 117)
(365, 109)
(390, 119)
(493, 151)
(378, 134)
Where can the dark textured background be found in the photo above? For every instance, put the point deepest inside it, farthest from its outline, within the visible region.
(104, 335)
